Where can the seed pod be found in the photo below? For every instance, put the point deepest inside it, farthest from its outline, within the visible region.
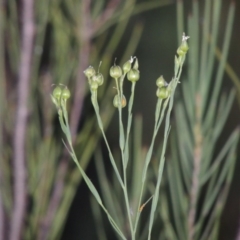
(136, 65)
(99, 79)
(65, 94)
(161, 82)
(115, 71)
(127, 66)
(116, 102)
(133, 75)
(89, 72)
(57, 92)
(184, 46)
(182, 50)
(163, 93)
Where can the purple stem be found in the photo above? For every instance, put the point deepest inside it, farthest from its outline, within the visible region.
(19, 164)
(238, 233)
(1, 218)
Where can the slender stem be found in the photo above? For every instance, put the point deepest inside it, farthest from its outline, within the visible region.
(69, 138)
(145, 167)
(195, 177)
(122, 144)
(96, 108)
(19, 156)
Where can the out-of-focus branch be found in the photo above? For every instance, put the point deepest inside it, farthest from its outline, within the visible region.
(1, 218)
(106, 15)
(238, 232)
(19, 164)
(85, 35)
(196, 170)
(84, 38)
(2, 106)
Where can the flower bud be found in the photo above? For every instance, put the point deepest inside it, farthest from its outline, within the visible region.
(57, 92)
(184, 46)
(65, 94)
(127, 66)
(94, 86)
(89, 72)
(136, 65)
(163, 93)
(115, 71)
(182, 50)
(161, 82)
(116, 102)
(98, 78)
(133, 75)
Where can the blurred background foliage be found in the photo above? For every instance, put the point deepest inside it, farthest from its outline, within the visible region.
(67, 37)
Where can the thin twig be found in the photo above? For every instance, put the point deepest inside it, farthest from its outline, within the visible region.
(196, 170)
(19, 165)
(106, 15)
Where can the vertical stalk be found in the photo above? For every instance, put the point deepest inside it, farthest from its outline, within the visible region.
(2, 107)
(196, 170)
(19, 156)
(238, 234)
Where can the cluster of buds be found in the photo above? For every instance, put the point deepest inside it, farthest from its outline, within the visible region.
(183, 48)
(181, 51)
(119, 74)
(94, 79)
(60, 96)
(163, 90)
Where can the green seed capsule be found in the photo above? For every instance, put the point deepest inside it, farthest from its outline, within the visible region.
(57, 92)
(182, 50)
(65, 94)
(89, 72)
(99, 79)
(133, 75)
(184, 46)
(127, 66)
(163, 93)
(116, 102)
(136, 65)
(161, 82)
(115, 71)
(93, 79)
